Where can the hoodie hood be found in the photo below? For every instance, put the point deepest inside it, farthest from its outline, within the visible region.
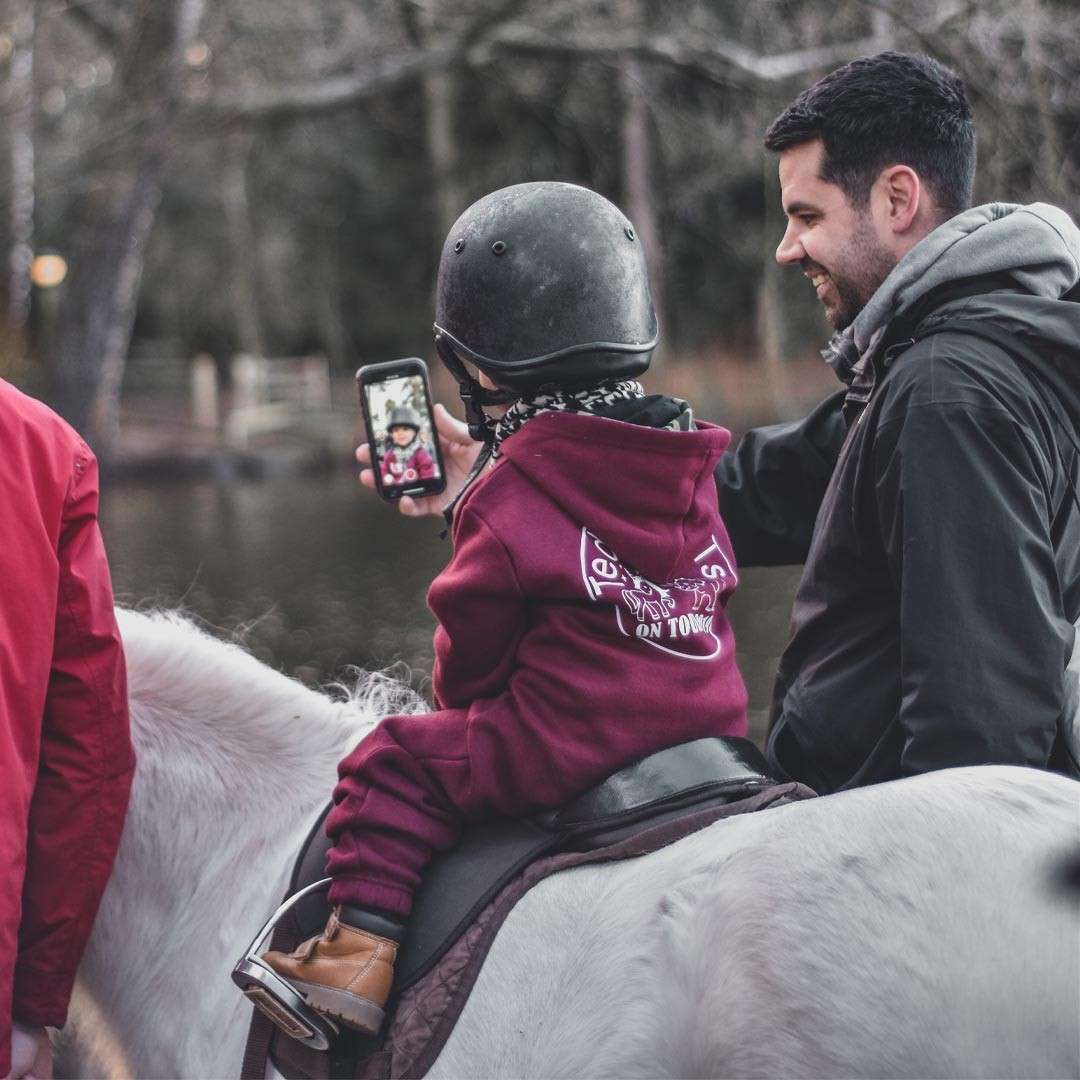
(1037, 246)
(1050, 329)
(646, 492)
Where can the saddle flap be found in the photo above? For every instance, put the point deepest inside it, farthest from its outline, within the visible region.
(459, 884)
(455, 886)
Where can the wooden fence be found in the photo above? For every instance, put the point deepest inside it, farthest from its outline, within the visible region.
(268, 394)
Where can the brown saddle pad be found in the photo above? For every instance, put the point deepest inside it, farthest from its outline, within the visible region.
(427, 1012)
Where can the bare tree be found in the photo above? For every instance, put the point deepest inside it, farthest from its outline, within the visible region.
(439, 86)
(373, 108)
(242, 242)
(637, 153)
(115, 217)
(19, 117)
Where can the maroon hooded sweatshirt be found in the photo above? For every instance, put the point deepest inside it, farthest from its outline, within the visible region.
(420, 466)
(581, 628)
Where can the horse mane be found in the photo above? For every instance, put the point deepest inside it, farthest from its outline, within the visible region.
(251, 725)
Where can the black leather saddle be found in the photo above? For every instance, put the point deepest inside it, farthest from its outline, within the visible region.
(459, 883)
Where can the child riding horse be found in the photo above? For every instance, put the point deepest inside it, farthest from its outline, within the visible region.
(551, 670)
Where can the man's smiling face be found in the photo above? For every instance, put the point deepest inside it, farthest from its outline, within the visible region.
(835, 243)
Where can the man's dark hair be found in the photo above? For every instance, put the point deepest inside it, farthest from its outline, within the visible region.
(890, 109)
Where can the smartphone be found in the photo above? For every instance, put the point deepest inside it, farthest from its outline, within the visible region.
(395, 398)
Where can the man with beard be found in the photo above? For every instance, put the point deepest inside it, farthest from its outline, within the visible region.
(935, 499)
(934, 620)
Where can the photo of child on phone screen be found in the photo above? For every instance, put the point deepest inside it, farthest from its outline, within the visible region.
(402, 436)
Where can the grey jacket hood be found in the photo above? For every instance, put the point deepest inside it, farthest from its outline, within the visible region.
(1038, 246)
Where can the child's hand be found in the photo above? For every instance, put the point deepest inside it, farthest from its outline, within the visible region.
(459, 451)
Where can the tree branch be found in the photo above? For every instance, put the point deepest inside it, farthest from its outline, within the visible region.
(262, 102)
(385, 73)
(700, 52)
(102, 24)
(477, 49)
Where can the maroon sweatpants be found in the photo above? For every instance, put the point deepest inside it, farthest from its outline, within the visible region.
(395, 806)
(408, 788)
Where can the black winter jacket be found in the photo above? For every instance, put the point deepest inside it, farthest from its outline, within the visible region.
(934, 620)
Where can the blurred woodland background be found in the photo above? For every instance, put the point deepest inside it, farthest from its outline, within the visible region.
(212, 211)
(275, 178)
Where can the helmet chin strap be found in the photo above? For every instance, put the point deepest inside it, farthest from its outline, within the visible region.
(473, 396)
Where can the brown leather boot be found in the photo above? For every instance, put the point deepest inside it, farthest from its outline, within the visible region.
(344, 972)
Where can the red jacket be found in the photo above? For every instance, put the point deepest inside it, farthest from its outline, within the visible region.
(581, 627)
(420, 466)
(66, 760)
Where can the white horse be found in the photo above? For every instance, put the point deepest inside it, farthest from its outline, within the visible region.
(919, 928)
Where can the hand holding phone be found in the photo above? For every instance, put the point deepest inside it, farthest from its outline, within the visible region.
(459, 452)
(405, 454)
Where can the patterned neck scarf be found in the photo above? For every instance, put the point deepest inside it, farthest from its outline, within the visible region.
(577, 401)
(403, 454)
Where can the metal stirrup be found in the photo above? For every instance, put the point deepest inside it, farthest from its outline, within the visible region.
(275, 996)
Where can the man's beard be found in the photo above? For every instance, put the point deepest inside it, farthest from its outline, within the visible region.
(857, 273)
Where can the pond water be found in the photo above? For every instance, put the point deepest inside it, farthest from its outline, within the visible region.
(315, 576)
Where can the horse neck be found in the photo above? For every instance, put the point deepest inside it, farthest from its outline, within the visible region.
(221, 737)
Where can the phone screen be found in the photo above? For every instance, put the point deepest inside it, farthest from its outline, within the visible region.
(404, 447)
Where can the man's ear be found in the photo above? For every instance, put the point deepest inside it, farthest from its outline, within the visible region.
(902, 197)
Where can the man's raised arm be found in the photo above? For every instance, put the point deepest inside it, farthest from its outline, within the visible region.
(771, 485)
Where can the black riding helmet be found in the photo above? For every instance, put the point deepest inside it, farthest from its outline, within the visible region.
(403, 416)
(542, 286)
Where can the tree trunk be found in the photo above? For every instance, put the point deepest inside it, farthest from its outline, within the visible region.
(19, 118)
(440, 96)
(242, 244)
(637, 172)
(331, 326)
(1049, 151)
(772, 330)
(440, 93)
(114, 222)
